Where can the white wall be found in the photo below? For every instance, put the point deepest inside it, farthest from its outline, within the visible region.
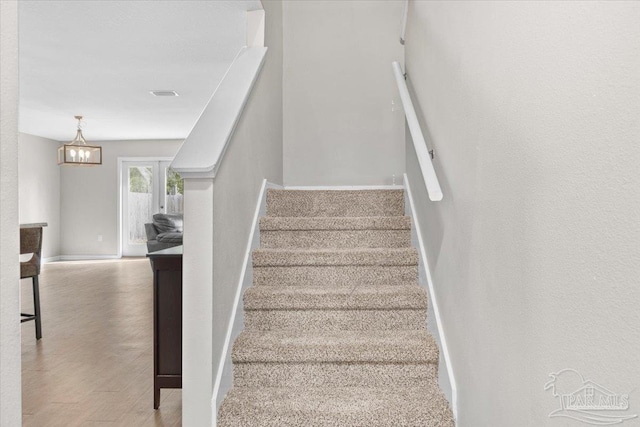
(223, 208)
(338, 87)
(533, 110)
(10, 366)
(39, 188)
(254, 153)
(89, 197)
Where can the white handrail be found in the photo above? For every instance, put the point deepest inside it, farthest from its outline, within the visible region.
(420, 145)
(202, 152)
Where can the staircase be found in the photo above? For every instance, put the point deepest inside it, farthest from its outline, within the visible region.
(335, 324)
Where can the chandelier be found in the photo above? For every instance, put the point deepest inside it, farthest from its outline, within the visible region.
(78, 152)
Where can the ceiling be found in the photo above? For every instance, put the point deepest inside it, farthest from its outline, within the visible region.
(100, 59)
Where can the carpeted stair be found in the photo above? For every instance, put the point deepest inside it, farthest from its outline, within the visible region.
(335, 324)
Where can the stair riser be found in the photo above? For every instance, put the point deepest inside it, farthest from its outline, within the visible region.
(282, 418)
(397, 297)
(333, 375)
(334, 320)
(334, 257)
(275, 223)
(350, 275)
(283, 203)
(340, 239)
(335, 406)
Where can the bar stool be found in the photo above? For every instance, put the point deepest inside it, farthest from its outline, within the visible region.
(31, 243)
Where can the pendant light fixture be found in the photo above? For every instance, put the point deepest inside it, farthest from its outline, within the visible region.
(78, 152)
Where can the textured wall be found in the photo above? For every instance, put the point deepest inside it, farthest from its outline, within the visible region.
(89, 203)
(39, 188)
(338, 86)
(533, 109)
(10, 384)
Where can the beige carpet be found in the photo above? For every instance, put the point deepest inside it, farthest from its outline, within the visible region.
(335, 324)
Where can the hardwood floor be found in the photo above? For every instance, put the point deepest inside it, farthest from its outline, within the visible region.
(94, 363)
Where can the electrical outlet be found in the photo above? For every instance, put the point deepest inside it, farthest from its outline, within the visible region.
(99, 237)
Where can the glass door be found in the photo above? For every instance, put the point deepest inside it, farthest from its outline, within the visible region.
(173, 186)
(148, 187)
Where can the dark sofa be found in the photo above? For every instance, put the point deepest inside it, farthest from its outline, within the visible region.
(164, 232)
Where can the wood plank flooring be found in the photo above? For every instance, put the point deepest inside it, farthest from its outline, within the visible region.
(94, 363)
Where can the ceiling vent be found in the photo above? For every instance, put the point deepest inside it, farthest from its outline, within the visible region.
(164, 93)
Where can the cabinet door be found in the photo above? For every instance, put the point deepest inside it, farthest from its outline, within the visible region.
(169, 321)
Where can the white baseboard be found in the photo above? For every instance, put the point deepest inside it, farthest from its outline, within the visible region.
(51, 259)
(85, 257)
(449, 388)
(344, 187)
(224, 378)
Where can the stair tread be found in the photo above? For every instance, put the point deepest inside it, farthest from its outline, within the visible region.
(335, 223)
(334, 257)
(411, 346)
(377, 297)
(335, 203)
(331, 406)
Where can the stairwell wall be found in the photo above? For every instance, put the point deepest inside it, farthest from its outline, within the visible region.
(340, 127)
(532, 109)
(253, 154)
